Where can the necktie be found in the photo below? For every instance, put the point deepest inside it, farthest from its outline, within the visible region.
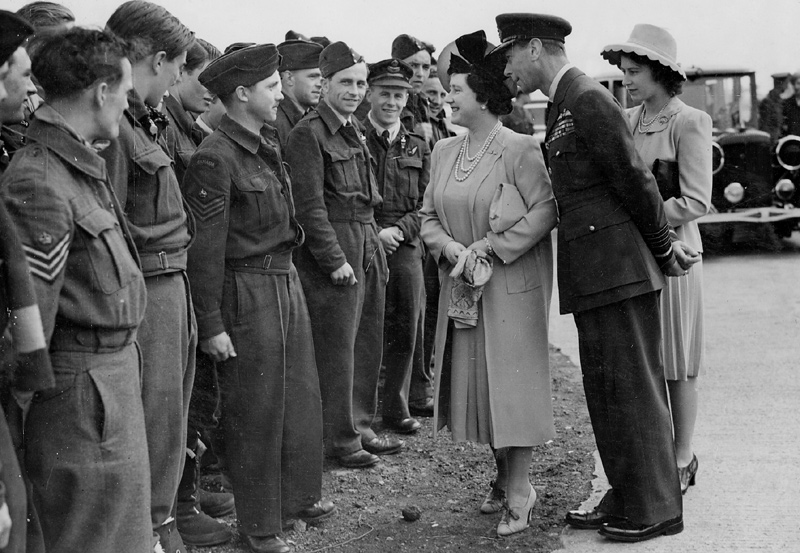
(385, 137)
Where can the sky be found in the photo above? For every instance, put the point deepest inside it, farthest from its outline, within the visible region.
(761, 35)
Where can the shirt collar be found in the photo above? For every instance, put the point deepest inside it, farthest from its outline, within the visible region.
(244, 137)
(557, 79)
(203, 126)
(394, 130)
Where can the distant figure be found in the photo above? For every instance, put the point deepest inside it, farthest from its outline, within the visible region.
(791, 110)
(519, 120)
(770, 109)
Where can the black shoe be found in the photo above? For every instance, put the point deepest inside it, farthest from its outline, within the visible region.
(320, 510)
(198, 529)
(216, 504)
(423, 408)
(589, 520)
(359, 459)
(266, 544)
(383, 445)
(688, 474)
(402, 426)
(628, 531)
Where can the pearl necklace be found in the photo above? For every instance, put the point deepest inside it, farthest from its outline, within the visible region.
(463, 154)
(644, 126)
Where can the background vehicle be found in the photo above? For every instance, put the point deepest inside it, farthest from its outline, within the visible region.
(755, 181)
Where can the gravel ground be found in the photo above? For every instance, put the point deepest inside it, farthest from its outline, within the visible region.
(447, 481)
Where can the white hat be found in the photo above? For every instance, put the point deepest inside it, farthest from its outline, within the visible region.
(650, 42)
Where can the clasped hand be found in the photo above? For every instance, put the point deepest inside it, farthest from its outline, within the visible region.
(685, 257)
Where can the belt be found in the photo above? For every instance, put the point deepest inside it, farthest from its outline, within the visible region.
(163, 261)
(587, 196)
(77, 338)
(279, 263)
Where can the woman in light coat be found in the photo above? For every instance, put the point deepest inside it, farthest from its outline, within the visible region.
(490, 192)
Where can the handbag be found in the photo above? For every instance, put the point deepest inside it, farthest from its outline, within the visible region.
(667, 178)
(507, 208)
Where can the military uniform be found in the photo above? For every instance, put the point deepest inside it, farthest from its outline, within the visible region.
(143, 178)
(289, 115)
(182, 136)
(85, 438)
(335, 193)
(244, 283)
(402, 170)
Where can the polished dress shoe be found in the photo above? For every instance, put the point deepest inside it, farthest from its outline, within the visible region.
(589, 520)
(383, 445)
(423, 408)
(688, 474)
(402, 426)
(517, 519)
(494, 501)
(320, 510)
(357, 460)
(266, 544)
(628, 531)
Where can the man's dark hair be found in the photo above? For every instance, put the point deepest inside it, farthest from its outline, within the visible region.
(212, 51)
(43, 15)
(667, 77)
(149, 28)
(196, 56)
(66, 64)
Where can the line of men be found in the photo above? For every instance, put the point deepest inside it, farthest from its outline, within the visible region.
(220, 253)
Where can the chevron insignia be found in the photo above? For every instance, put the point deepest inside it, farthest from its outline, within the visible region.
(564, 125)
(206, 209)
(47, 266)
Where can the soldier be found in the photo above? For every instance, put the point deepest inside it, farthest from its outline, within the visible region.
(435, 93)
(142, 176)
(613, 251)
(24, 363)
(402, 168)
(341, 264)
(241, 196)
(302, 84)
(19, 87)
(417, 54)
(85, 444)
(770, 110)
(195, 505)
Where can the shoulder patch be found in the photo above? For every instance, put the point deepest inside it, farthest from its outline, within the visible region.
(207, 162)
(48, 265)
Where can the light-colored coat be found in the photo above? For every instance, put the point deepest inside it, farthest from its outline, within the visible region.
(681, 134)
(516, 300)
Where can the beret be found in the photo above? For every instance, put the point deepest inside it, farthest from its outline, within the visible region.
(13, 32)
(406, 46)
(244, 67)
(337, 56)
(517, 26)
(299, 54)
(391, 72)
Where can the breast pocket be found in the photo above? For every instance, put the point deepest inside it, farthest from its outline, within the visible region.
(257, 198)
(560, 153)
(342, 171)
(111, 264)
(151, 192)
(410, 169)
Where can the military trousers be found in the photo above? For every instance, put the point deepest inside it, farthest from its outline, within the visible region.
(422, 381)
(168, 338)
(271, 400)
(623, 378)
(402, 329)
(347, 323)
(86, 454)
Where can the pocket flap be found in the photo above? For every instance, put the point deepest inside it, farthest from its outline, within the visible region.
(254, 183)
(152, 160)
(96, 221)
(404, 162)
(592, 218)
(344, 154)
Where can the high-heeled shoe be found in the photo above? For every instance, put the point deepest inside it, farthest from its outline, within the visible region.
(494, 500)
(516, 520)
(688, 474)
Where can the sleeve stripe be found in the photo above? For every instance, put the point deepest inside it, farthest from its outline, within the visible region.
(36, 254)
(48, 271)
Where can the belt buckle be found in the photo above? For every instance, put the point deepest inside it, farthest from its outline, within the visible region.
(267, 262)
(162, 258)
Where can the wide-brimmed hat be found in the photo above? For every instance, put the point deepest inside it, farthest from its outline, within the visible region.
(649, 41)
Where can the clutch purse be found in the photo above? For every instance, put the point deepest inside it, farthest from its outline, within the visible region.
(667, 178)
(506, 209)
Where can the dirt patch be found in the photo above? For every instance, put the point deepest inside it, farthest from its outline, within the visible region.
(448, 482)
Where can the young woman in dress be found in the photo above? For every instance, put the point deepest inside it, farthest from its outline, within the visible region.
(492, 378)
(666, 129)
